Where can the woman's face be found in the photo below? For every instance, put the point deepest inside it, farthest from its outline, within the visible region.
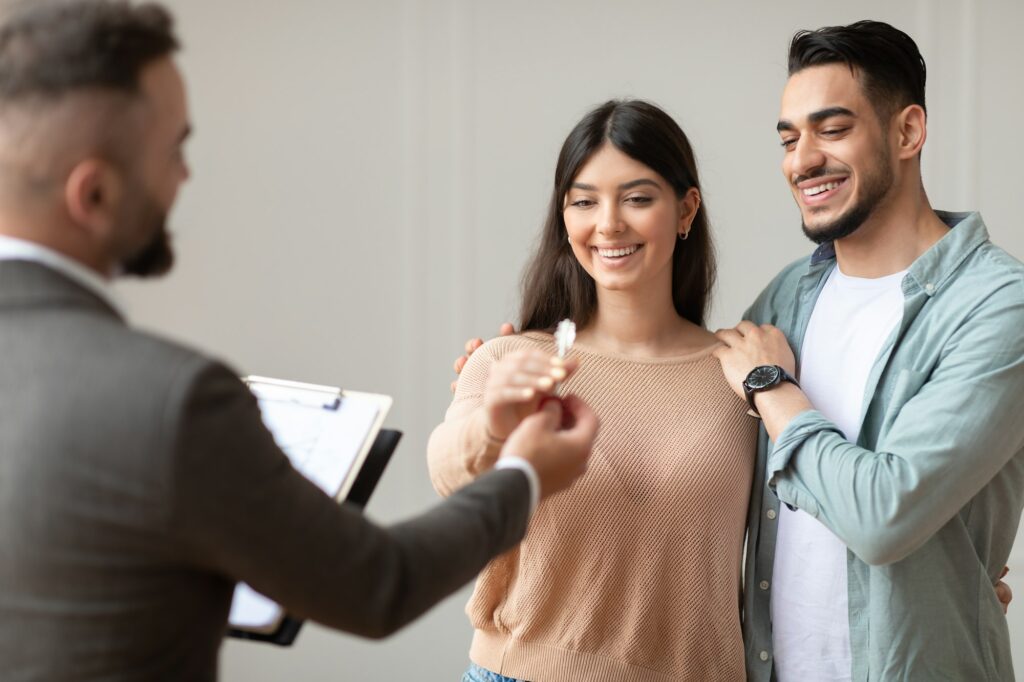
(624, 220)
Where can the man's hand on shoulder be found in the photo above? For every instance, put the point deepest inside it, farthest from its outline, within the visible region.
(506, 329)
(748, 346)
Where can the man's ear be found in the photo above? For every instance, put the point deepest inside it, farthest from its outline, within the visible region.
(911, 126)
(92, 193)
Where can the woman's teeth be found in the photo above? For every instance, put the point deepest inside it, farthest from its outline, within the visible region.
(618, 253)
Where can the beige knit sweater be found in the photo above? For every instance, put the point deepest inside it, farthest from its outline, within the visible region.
(633, 573)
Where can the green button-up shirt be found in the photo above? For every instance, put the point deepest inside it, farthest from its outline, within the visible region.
(929, 498)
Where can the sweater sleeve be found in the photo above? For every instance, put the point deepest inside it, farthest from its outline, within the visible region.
(460, 448)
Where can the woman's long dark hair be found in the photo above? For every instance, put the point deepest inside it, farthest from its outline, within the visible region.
(555, 285)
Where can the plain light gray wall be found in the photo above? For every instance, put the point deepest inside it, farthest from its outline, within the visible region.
(369, 177)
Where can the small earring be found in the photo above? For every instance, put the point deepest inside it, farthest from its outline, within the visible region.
(683, 236)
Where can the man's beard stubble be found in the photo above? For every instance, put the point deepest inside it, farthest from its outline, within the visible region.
(156, 256)
(876, 187)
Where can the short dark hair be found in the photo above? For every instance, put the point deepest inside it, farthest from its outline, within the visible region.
(555, 285)
(884, 58)
(51, 48)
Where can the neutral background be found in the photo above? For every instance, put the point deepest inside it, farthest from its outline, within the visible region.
(369, 177)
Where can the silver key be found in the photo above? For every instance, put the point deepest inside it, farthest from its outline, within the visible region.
(565, 336)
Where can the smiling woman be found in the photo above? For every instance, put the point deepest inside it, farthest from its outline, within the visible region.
(634, 572)
(623, 220)
(647, 163)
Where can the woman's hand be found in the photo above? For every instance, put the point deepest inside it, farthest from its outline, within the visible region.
(516, 386)
(1003, 591)
(460, 362)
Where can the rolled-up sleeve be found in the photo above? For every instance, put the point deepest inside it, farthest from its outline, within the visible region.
(944, 436)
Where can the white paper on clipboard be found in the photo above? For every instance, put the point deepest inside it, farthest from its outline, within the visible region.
(327, 434)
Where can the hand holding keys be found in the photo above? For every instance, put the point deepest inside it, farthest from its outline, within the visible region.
(523, 381)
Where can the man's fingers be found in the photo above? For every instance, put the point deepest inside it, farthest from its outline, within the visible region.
(1002, 574)
(729, 337)
(553, 408)
(506, 329)
(547, 418)
(585, 422)
(455, 385)
(472, 345)
(746, 327)
(460, 363)
(773, 333)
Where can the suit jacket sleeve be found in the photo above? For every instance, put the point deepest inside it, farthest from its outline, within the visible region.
(241, 509)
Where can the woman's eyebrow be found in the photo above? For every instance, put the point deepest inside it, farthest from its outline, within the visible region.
(626, 185)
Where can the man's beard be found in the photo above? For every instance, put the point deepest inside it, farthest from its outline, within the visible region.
(876, 187)
(156, 256)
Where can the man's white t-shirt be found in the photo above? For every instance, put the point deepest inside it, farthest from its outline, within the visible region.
(849, 326)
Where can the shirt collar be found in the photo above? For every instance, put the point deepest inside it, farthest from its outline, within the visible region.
(933, 267)
(825, 252)
(12, 248)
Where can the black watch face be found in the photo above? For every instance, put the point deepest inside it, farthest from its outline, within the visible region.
(763, 376)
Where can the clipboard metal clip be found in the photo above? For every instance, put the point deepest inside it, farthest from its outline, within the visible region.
(312, 395)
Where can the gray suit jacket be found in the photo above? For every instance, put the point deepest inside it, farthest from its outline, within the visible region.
(138, 484)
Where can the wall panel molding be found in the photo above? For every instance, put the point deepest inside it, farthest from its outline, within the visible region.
(947, 34)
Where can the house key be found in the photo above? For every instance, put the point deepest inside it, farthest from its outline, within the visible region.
(565, 336)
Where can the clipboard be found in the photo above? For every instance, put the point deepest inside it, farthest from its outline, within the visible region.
(334, 438)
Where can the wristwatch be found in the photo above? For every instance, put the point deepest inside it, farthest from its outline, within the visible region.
(764, 378)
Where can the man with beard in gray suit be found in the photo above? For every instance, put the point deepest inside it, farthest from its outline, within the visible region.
(137, 481)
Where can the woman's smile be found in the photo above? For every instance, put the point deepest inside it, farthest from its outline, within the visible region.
(616, 256)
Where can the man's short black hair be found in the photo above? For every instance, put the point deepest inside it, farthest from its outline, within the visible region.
(50, 48)
(884, 58)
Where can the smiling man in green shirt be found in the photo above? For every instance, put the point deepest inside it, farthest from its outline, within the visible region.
(888, 369)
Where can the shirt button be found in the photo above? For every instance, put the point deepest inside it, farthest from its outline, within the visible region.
(771, 514)
(763, 655)
(764, 584)
(930, 288)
